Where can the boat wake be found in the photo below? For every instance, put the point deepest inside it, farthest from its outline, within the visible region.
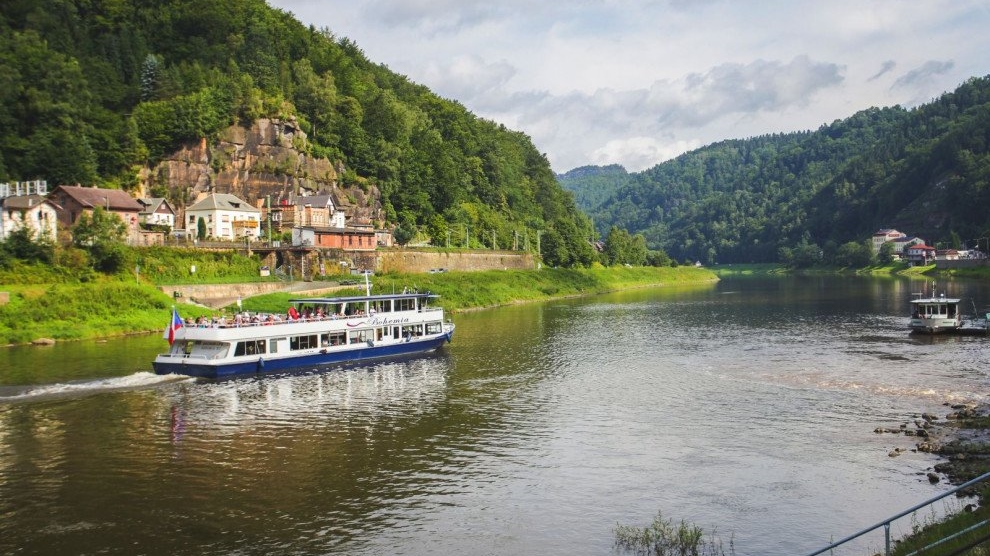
(136, 381)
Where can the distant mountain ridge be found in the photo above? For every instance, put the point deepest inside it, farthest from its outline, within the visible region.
(925, 170)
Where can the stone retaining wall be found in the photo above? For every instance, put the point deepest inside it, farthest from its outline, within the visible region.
(943, 264)
(205, 293)
(403, 260)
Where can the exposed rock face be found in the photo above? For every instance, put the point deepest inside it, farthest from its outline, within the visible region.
(267, 159)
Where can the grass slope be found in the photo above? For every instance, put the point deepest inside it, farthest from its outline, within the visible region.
(104, 308)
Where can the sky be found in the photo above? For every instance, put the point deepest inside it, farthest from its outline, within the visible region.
(598, 82)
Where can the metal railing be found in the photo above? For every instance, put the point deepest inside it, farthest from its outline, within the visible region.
(886, 523)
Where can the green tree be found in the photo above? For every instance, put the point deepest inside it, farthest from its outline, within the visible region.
(21, 244)
(201, 228)
(403, 234)
(438, 230)
(886, 254)
(855, 254)
(101, 234)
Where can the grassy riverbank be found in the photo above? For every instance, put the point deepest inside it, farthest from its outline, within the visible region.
(471, 290)
(893, 269)
(111, 307)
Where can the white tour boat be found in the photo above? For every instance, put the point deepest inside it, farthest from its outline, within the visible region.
(315, 332)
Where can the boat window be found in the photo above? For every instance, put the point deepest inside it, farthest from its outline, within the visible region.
(433, 328)
(303, 342)
(250, 347)
(357, 336)
(273, 344)
(333, 339)
(382, 306)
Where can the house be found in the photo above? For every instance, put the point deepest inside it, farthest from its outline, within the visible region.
(347, 239)
(72, 201)
(920, 254)
(902, 243)
(883, 236)
(34, 212)
(320, 211)
(226, 217)
(950, 254)
(157, 212)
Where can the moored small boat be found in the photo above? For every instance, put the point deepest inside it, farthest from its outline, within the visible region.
(315, 332)
(935, 315)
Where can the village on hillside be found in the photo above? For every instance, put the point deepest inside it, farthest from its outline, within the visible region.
(916, 252)
(316, 220)
(305, 236)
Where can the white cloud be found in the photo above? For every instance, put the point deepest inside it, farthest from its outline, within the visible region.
(635, 83)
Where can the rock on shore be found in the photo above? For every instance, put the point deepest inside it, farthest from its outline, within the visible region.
(962, 438)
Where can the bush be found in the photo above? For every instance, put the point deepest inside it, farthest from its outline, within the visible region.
(663, 538)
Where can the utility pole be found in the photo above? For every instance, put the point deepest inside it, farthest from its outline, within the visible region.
(268, 203)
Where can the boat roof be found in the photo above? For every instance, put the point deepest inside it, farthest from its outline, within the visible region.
(936, 300)
(374, 297)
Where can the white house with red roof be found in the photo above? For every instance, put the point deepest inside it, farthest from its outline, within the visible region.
(920, 254)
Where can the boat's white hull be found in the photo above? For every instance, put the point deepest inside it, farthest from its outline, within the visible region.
(316, 358)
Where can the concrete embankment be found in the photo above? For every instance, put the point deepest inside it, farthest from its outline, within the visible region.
(222, 295)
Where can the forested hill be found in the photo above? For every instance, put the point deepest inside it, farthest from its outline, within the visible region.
(924, 171)
(91, 91)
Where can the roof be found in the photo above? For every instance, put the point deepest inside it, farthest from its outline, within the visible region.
(332, 230)
(24, 201)
(922, 247)
(92, 197)
(314, 200)
(886, 232)
(222, 201)
(152, 204)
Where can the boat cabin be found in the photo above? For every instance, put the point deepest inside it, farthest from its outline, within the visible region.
(934, 315)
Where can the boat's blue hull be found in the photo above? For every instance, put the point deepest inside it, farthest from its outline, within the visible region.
(313, 361)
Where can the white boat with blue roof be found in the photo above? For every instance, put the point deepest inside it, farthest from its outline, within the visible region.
(314, 333)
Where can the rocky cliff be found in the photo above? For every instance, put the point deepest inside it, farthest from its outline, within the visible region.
(269, 158)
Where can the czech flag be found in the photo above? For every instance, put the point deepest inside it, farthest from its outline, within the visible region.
(175, 324)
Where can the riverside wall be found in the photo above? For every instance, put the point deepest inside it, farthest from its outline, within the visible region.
(945, 264)
(412, 261)
(217, 294)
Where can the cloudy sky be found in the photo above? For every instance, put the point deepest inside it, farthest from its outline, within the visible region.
(639, 82)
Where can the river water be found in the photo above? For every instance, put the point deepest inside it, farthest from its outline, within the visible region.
(747, 406)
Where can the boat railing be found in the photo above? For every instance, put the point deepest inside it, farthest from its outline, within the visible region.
(184, 356)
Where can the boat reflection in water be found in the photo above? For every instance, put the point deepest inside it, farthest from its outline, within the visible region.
(304, 400)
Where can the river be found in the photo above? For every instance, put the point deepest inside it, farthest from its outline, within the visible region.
(747, 406)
